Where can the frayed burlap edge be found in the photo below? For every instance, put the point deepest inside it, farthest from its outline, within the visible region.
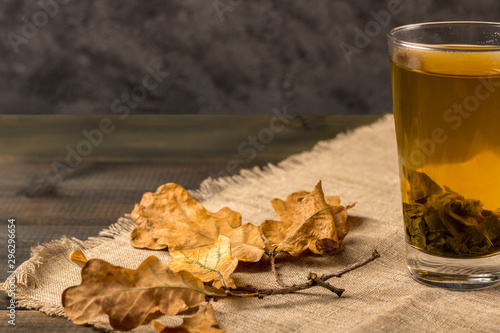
(25, 275)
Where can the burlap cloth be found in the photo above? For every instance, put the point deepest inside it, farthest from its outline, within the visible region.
(359, 166)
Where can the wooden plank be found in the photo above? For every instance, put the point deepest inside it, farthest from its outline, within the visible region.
(4, 299)
(167, 137)
(35, 321)
(99, 193)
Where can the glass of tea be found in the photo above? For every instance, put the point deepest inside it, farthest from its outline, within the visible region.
(446, 98)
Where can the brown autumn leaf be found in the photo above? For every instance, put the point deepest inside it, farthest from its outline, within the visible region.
(131, 297)
(172, 218)
(275, 230)
(203, 321)
(209, 263)
(339, 216)
(307, 221)
(247, 243)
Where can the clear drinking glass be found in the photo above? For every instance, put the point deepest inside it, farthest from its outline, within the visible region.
(446, 93)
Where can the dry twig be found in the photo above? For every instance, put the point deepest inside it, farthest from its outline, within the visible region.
(313, 280)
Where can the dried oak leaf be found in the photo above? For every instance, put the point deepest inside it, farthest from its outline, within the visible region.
(209, 263)
(307, 221)
(78, 258)
(339, 217)
(203, 321)
(131, 297)
(246, 243)
(172, 218)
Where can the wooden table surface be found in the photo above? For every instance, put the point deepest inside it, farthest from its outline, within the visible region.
(142, 153)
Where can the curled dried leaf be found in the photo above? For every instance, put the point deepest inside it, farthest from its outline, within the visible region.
(78, 258)
(130, 297)
(307, 221)
(247, 243)
(339, 216)
(203, 321)
(172, 218)
(209, 263)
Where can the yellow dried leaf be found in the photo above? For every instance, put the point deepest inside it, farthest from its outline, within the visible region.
(332, 200)
(172, 218)
(209, 263)
(203, 321)
(247, 243)
(275, 231)
(78, 258)
(307, 221)
(286, 209)
(130, 297)
(340, 218)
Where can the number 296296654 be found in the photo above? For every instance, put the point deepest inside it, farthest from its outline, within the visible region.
(11, 245)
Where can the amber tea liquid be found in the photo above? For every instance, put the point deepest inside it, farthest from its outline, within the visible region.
(447, 113)
(447, 116)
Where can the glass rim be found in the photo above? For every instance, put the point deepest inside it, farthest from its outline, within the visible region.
(391, 36)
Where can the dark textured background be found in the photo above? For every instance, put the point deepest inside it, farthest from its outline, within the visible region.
(262, 54)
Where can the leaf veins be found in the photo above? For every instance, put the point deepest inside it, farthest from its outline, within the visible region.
(130, 297)
(307, 221)
(210, 263)
(203, 321)
(171, 218)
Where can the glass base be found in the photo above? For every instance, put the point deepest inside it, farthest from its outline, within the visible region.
(453, 273)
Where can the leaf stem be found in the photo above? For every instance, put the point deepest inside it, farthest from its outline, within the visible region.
(272, 256)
